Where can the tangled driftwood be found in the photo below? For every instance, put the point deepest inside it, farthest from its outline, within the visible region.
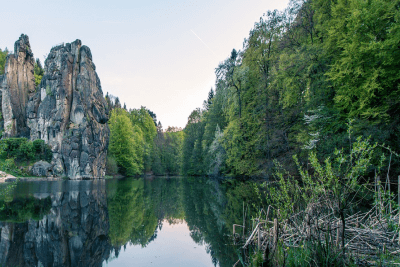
(366, 233)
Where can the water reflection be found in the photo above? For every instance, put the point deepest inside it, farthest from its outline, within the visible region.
(132, 219)
(74, 232)
(174, 221)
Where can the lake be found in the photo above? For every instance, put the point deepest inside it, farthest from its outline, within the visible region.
(121, 222)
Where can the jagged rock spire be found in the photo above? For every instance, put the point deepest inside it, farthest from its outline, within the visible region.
(67, 110)
(17, 85)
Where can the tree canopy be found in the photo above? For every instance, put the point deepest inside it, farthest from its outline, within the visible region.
(301, 75)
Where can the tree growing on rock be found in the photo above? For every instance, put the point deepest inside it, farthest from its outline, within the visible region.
(3, 56)
(38, 72)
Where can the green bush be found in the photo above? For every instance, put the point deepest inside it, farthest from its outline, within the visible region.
(21, 151)
(9, 166)
(11, 146)
(25, 151)
(42, 151)
(3, 150)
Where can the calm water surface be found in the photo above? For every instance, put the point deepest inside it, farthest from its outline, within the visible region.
(129, 222)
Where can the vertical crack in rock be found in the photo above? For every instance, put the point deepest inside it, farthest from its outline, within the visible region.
(68, 110)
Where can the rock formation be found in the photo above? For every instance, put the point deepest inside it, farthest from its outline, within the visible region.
(17, 86)
(42, 168)
(68, 110)
(70, 113)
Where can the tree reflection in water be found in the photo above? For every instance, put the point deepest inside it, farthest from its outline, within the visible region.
(141, 207)
(87, 223)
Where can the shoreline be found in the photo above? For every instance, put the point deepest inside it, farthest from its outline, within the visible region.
(10, 178)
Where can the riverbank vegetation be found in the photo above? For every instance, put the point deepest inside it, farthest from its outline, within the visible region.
(329, 216)
(17, 154)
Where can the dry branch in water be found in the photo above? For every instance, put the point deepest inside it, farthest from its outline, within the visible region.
(367, 234)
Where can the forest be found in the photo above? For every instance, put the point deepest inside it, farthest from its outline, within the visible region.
(138, 143)
(303, 78)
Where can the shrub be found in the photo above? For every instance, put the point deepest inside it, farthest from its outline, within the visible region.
(9, 166)
(42, 151)
(25, 151)
(3, 150)
(21, 150)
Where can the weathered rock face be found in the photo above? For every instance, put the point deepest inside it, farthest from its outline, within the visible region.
(42, 168)
(17, 85)
(70, 113)
(74, 233)
(68, 110)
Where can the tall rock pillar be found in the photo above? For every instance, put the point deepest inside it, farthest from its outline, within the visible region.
(70, 113)
(17, 85)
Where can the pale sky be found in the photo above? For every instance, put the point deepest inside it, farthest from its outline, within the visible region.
(158, 54)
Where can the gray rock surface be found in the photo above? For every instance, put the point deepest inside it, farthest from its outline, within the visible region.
(42, 168)
(17, 85)
(68, 110)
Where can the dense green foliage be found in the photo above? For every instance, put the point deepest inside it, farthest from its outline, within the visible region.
(126, 143)
(167, 151)
(3, 56)
(38, 72)
(144, 123)
(133, 135)
(139, 145)
(21, 151)
(301, 75)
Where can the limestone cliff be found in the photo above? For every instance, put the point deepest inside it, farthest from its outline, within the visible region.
(17, 85)
(67, 110)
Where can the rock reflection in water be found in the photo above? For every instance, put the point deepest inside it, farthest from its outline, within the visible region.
(73, 233)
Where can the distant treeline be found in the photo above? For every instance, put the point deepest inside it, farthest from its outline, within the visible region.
(138, 143)
(304, 77)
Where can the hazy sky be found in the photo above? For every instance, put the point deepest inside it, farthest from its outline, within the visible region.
(158, 54)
